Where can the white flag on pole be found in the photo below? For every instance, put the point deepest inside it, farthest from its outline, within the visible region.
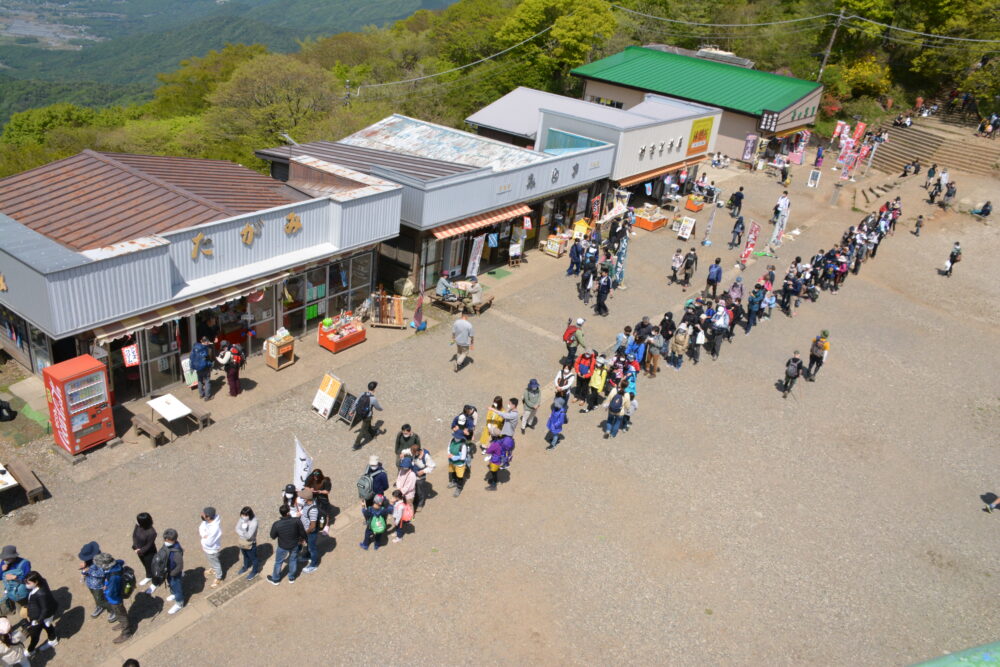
(303, 465)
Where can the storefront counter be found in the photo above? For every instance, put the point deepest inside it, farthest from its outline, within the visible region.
(341, 335)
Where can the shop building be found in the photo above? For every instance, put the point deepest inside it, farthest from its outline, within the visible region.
(761, 111)
(467, 200)
(658, 142)
(131, 258)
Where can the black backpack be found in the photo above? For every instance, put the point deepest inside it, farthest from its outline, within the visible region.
(160, 567)
(363, 407)
(128, 581)
(792, 370)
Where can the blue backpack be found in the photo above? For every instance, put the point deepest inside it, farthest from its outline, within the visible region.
(199, 357)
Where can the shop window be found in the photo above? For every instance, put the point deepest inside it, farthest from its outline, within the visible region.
(338, 304)
(295, 322)
(295, 292)
(163, 372)
(361, 271)
(358, 297)
(340, 277)
(315, 285)
(14, 336)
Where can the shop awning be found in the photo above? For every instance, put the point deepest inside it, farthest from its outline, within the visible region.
(110, 332)
(480, 221)
(653, 173)
(787, 133)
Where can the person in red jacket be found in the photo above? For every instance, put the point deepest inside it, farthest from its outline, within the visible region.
(584, 368)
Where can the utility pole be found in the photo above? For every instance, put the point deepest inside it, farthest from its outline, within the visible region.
(829, 45)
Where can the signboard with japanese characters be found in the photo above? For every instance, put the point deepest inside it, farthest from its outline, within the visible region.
(768, 121)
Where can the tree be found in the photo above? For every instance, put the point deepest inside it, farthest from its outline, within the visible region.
(33, 126)
(185, 91)
(267, 96)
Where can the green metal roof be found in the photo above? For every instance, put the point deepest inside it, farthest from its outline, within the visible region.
(718, 84)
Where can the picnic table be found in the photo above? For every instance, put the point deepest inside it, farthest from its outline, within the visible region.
(170, 408)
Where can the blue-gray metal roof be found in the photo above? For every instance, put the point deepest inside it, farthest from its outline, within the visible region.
(35, 250)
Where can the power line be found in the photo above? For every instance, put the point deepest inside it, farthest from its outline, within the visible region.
(923, 34)
(723, 25)
(731, 35)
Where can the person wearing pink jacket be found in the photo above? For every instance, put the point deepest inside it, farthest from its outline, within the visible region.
(406, 480)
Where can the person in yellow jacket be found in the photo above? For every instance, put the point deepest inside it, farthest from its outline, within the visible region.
(597, 381)
(817, 353)
(494, 422)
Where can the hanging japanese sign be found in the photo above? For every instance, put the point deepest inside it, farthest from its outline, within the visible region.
(751, 242)
(859, 131)
(130, 354)
(768, 121)
(595, 207)
(476, 255)
(837, 131)
(750, 147)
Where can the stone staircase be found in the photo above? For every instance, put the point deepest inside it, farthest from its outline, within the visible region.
(942, 141)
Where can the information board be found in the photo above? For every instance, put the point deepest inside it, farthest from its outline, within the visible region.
(346, 412)
(813, 178)
(687, 226)
(326, 396)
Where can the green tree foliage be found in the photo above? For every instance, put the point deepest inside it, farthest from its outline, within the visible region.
(33, 126)
(185, 91)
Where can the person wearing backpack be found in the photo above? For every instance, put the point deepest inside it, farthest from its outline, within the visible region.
(114, 594)
(618, 399)
(12, 650)
(690, 266)
(793, 369)
(737, 240)
(679, 346)
(375, 522)
(954, 257)
(168, 565)
(575, 256)
(41, 611)
(13, 569)
(573, 338)
(201, 363)
(365, 407)
(714, 277)
(289, 535)
(817, 354)
(402, 514)
(310, 523)
(93, 576)
(374, 481)
(423, 465)
(458, 454)
(232, 361)
(557, 419)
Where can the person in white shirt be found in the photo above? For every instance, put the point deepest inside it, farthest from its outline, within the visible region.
(210, 532)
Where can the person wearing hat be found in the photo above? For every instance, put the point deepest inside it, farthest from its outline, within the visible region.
(444, 286)
(93, 576)
(210, 531)
(175, 569)
(380, 479)
(13, 569)
(12, 651)
(290, 499)
(464, 423)
(530, 400)
(596, 385)
(309, 517)
(423, 465)
(289, 534)
(573, 338)
(473, 295)
(817, 354)
(114, 594)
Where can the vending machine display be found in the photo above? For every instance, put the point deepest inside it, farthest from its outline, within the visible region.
(79, 406)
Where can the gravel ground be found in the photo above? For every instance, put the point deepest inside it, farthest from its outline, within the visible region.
(839, 526)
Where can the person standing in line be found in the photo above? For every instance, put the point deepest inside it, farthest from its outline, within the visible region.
(754, 305)
(565, 379)
(13, 569)
(321, 487)
(556, 421)
(596, 386)
(587, 276)
(365, 407)
(793, 369)
(531, 398)
(463, 336)
(573, 339)
(954, 258)
(575, 256)
(201, 363)
(678, 346)
(379, 477)
(144, 545)
(210, 531)
(817, 353)
(41, 612)
(737, 199)
(310, 524)
(246, 536)
(93, 576)
(171, 554)
(406, 439)
(375, 522)
(458, 454)
(603, 291)
(738, 229)
(406, 479)
(675, 265)
(402, 514)
(289, 535)
(618, 399)
(714, 277)
(114, 595)
(12, 651)
(654, 348)
(423, 465)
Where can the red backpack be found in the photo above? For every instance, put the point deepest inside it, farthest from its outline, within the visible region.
(568, 334)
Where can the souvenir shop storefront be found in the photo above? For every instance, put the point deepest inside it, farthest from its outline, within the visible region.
(297, 300)
(663, 186)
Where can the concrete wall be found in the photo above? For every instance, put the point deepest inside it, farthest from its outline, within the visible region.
(627, 96)
(801, 113)
(733, 133)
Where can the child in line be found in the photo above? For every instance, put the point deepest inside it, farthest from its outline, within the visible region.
(557, 419)
(402, 514)
(629, 411)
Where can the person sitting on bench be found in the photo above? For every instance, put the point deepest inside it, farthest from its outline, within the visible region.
(444, 286)
(473, 295)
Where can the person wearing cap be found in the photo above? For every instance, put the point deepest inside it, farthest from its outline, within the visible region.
(444, 286)
(573, 338)
(793, 369)
(210, 531)
(310, 524)
(598, 379)
(953, 258)
(458, 456)
(290, 499)
(473, 294)
(530, 400)
(12, 651)
(423, 465)
(464, 424)
(288, 534)
(175, 569)
(92, 576)
(114, 592)
(817, 354)
(13, 569)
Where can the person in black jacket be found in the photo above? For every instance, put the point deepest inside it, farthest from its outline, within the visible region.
(144, 545)
(290, 534)
(41, 611)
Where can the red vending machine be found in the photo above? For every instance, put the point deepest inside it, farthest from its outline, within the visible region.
(79, 405)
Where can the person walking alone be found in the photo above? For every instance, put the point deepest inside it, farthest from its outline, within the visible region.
(463, 336)
(738, 230)
(953, 258)
(737, 201)
(793, 369)
(817, 354)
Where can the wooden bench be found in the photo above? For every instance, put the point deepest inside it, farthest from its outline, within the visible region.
(451, 306)
(154, 430)
(486, 303)
(27, 479)
(200, 416)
